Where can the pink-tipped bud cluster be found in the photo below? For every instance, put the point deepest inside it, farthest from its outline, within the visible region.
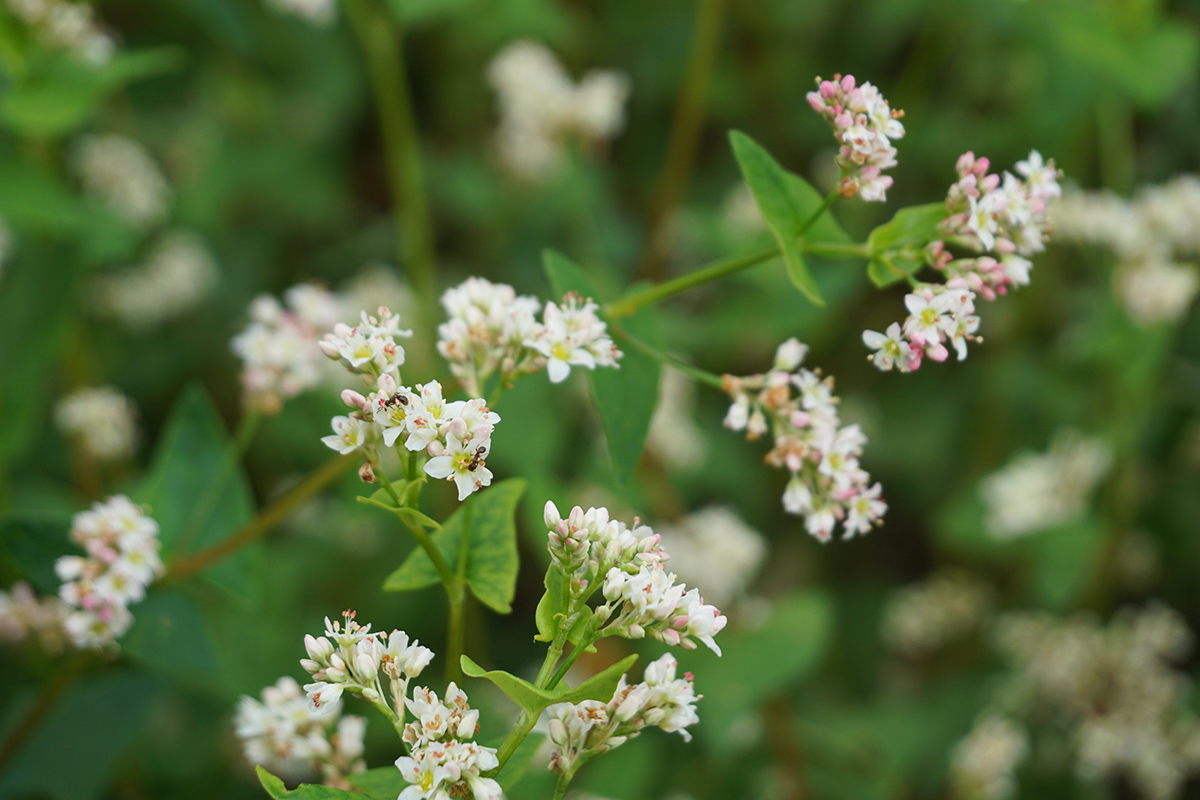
(864, 126)
(798, 407)
(1001, 214)
(585, 545)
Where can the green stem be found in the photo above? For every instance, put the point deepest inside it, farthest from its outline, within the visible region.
(266, 520)
(650, 351)
(458, 601)
(382, 46)
(435, 555)
(560, 788)
(561, 672)
(685, 132)
(719, 269)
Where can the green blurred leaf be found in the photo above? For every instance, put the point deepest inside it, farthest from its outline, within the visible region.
(93, 724)
(34, 542)
(170, 634)
(65, 95)
(786, 201)
(414, 13)
(305, 791)
(803, 620)
(518, 764)
(197, 490)
(492, 557)
(34, 201)
(625, 397)
(533, 700)
(1064, 560)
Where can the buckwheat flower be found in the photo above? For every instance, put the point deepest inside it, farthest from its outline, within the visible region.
(279, 348)
(573, 335)
(102, 419)
(122, 173)
(454, 769)
(983, 764)
(1039, 491)
(463, 463)
(177, 275)
(1156, 291)
(122, 546)
(285, 735)
(350, 433)
(798, 408)
(369, 348)
(540, 107)
(486, 330)
(66, 26)
(892, 349)
(864, 126)
(919, 619)
(317, 12)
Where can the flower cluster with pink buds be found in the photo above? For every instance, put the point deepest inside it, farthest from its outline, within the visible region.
(491, 329)
(864, 126)
(279, 347)
(122, 560)
(369, 348)
(1004, 217)
(798, 408)
(444, 762)
(286, 735)
(24, 614)
(584, 730)
(595, 552)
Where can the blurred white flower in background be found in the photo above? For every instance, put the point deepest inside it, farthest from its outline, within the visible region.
(177, 275)
(921, 618)
(674, 435)
(318, 12)
(102, 419)
(740, 212)
(714, 548)
(983, 764)
(540, 107)
(285, 734)
(1036, 491)
(1146, 234)
(124, 175)
(24, 614)
(66, 26)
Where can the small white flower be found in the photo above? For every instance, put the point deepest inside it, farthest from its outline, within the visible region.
(462, 462)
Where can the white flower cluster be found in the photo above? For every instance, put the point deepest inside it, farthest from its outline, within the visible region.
(583, 730)
(177, 275)
(286, 735)
(799, 409)
(642, 599)
(349, 658)
(24, 614)
(1147, 234)
(66, 26)
(674, 437)
(491, 328)
(279, 347)
(122, 560)
(986, 214)
(123, 174)
(1040, 490)
(1113, 689)
(318, 12)
(444, 761)
(919, 619)
(864, 126)
(714, 548)
(102, 419)
(983, 765)
(540, 106)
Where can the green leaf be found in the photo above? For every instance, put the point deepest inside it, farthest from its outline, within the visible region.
(492, 558)
(786, 203)
(803, 620)
(549, 609)
(305, 791)
(35, 201)
(381, 499)
(383, 783)
(197, 490)
(94, 724)
(533, 700)
(65, 94)
(35, 542)
(897, 246)
(170, 634)
(518, 763)
(625, 397)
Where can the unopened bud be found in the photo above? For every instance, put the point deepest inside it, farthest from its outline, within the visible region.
(365, 473)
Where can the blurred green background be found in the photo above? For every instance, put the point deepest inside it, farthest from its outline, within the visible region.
(266, 130)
